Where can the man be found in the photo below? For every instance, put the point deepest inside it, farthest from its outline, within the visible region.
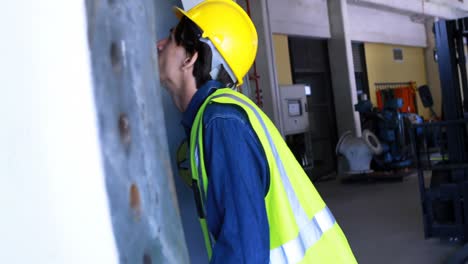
(255, 203)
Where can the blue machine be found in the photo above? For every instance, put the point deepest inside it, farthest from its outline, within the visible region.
(389, 125)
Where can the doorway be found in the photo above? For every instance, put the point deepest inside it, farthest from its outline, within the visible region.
(310, 66)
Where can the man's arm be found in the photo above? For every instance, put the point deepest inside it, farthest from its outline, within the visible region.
(238, 181)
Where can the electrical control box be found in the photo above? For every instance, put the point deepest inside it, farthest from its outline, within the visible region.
(294, 108)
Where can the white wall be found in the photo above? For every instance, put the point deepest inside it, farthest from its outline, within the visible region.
(446, 9)
(310, 18)
(415, 6)
(371, 25)
(299, 17)
(53, 198)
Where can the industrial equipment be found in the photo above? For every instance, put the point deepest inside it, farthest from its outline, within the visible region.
(295, 123)
(294, 108)
(426, 99)
(389, 124)
(440, 148)
(358, 151)
(406, 91)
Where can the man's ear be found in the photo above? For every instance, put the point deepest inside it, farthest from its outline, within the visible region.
(190, 61)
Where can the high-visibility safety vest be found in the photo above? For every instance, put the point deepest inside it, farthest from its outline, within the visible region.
(302, 228)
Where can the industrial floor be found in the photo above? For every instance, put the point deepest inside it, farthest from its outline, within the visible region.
(383, 221)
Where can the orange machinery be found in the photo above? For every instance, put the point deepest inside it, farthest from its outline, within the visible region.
(404, 90)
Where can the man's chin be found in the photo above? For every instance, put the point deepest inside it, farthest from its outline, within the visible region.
(163, 82)
(165, 86)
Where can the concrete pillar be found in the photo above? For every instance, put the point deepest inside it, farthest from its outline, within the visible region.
(342, 68)
(132, 133)
(432, 68)
(265, 62)
(165, 19)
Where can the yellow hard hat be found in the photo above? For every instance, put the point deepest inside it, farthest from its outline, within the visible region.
(230, 30)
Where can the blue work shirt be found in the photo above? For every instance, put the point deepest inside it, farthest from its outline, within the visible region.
(238, 181)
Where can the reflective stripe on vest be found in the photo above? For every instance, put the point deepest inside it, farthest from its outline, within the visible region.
(200, 179)
(294, 251)
(310, 230)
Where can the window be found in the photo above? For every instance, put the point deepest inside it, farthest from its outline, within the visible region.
(397, 54)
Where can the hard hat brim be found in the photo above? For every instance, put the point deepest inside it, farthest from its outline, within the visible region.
(179, 12)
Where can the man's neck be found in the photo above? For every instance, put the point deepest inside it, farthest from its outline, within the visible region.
(185, 95)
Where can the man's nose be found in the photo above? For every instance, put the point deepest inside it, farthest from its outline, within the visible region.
(161, 43)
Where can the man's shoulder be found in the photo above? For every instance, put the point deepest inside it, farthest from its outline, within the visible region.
(232, 112)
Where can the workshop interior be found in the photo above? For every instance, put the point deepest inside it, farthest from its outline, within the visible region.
(370, 96)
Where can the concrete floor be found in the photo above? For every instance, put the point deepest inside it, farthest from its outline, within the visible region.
(383, 221)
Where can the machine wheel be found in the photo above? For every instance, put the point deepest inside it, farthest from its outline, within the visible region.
(443, 210)
(460, 256)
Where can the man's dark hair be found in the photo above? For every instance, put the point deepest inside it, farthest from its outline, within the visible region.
(187, 34)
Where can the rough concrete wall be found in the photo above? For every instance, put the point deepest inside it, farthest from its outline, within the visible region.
(432, 68)
(139, 177)
(379, 23)
(444, 9)
(165, 19)
(299, 17)
(371, 25)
